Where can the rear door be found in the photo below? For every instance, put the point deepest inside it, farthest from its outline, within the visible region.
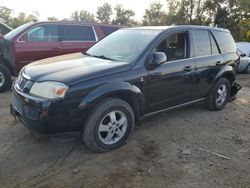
(208, 60)
(41, 41)
(77, 38)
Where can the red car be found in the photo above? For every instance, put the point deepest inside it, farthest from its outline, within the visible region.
(34, 41)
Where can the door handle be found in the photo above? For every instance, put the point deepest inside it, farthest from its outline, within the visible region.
(187, 68)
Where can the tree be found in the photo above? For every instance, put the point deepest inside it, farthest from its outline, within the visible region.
(6, 15)
(83, 15)
(124, 16)
(154, 15)
(22, 19)
(52, 19)
(103, 13)
(244, 30)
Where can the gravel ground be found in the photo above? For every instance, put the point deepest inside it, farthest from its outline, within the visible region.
(167, 150)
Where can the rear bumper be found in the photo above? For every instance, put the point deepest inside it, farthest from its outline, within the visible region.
(44, 116)
(234, 90)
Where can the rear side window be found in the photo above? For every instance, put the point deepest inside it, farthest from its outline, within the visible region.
(108, 30)
(214, 46)
(43, 33)
(202, 42)
(77, 33)
(225, 41)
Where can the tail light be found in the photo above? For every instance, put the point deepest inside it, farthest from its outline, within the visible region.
(238, 61)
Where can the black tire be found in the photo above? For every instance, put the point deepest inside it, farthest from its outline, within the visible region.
(5, 77)
(91, 133)
(210, 100)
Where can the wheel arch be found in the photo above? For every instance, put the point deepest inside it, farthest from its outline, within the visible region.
(227, 72)
(122, 90)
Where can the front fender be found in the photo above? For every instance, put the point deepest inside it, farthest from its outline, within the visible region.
(112, 89)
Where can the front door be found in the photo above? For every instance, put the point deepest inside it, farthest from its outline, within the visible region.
(170, 84)
(40, 42)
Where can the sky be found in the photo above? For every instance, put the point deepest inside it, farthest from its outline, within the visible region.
(63, 8)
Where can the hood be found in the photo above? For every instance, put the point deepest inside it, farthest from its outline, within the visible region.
(73, 68)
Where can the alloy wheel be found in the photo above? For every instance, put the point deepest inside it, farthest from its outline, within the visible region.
(2, 79)
(221, 95)
(112, 127)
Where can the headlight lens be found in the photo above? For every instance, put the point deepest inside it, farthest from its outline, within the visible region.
(49, 89)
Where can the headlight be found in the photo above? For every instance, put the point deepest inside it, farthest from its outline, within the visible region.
(49, 89)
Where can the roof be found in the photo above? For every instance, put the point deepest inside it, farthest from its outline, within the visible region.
(179, 26)
(77, 22)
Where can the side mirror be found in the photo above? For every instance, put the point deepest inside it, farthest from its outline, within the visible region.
(158, 58)
(243, 55)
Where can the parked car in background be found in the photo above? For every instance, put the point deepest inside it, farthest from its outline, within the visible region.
(38, 40)
(130, 74)
(4, 28)
(244, 66)
(244, 47)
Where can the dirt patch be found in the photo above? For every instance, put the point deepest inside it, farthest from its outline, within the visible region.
(162, 152)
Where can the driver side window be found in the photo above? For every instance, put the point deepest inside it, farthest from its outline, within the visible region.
(43, 33)
(174, 46)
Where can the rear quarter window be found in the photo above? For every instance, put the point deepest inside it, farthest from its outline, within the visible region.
(77, 33)
(108, 29)
(225, 41)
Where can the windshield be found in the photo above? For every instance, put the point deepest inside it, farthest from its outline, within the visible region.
(123, 45)
(14, 32)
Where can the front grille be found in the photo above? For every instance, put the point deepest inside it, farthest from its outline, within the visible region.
(23, 84)
(17, 104)
(25, 109)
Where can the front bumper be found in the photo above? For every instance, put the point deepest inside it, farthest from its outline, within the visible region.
(45, 116)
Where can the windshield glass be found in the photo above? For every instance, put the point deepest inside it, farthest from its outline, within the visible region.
(14, 32)
(123, 45)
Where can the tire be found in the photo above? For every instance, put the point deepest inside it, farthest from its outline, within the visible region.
(5, 78)
(214, 101)
(104, 121)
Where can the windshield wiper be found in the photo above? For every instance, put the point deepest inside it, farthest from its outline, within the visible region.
(100, 56)
(104, 57)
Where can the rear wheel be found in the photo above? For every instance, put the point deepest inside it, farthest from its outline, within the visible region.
(218, 95)
(108, 125)
(5, 78)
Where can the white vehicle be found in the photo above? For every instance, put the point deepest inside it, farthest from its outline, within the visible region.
(244, 66)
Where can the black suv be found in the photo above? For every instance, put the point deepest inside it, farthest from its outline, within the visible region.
(130, 74)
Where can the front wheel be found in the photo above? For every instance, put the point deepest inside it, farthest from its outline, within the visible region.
(108, 125)
(218, 95)
(5, 78)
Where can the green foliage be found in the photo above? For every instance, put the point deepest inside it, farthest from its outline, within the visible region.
(21, 19)
(244, 30)
(124, 16)
(52, 18)
(104, 13)
(154, 15)
(6, 14)
(83, 15)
